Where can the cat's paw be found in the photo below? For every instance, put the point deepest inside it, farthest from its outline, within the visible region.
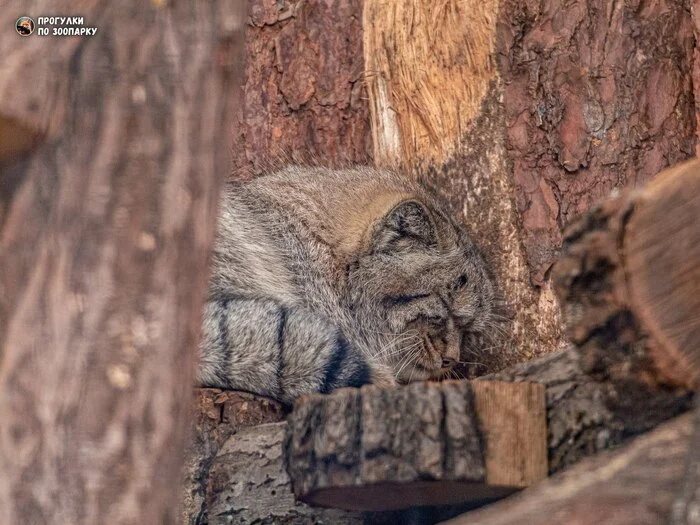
(383, 376)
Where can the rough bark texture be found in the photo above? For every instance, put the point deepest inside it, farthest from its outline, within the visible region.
(633, 486)
(584, 416)
(592, 103)
(437, 112)
(424, 444)
(695, 13)
(583, 100)
(304, 96)
(105, 235)
(543, 140)
(218, 415)
(248, 484)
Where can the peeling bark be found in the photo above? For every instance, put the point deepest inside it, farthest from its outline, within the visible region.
(218, 415)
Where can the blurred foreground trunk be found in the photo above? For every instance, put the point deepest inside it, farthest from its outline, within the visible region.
(107, 206)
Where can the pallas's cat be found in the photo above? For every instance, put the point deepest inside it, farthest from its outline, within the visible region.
(325, 278)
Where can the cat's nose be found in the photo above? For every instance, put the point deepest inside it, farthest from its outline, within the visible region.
(448, 363)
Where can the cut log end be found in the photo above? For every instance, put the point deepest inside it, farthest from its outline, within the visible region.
(423, 444)
(629, 282)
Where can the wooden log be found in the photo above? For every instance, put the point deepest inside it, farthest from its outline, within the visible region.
(218, 415)
(628, 282)
(424, 444)
(632, 486)
(106, 227)
(248, 483)
(584, 416)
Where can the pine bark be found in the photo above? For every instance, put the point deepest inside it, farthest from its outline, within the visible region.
(107, 219)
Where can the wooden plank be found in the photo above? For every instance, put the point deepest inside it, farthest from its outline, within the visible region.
(422, 444)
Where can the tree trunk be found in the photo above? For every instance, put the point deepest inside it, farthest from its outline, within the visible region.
(107, 219)
(525, 113)
(305, 100)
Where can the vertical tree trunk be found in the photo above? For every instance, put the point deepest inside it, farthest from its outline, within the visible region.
(525, 113)
(305, 100)
(107, 220)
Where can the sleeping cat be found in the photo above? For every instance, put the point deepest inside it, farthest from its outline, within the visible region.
(323, 279)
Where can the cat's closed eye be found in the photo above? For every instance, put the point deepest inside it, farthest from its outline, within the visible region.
(397, 300)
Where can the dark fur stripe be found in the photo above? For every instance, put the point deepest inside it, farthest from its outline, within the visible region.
(281, 328)
(361, 375)
(334, 364)
(397, 300)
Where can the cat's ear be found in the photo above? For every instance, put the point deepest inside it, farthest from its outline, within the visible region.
(407, 225)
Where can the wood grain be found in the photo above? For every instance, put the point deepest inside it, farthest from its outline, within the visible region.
(513, 421)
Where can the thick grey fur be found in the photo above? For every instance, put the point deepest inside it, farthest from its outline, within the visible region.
(323, 279)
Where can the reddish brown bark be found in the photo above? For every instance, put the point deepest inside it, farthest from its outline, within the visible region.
(593, 102)
(304, 96)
